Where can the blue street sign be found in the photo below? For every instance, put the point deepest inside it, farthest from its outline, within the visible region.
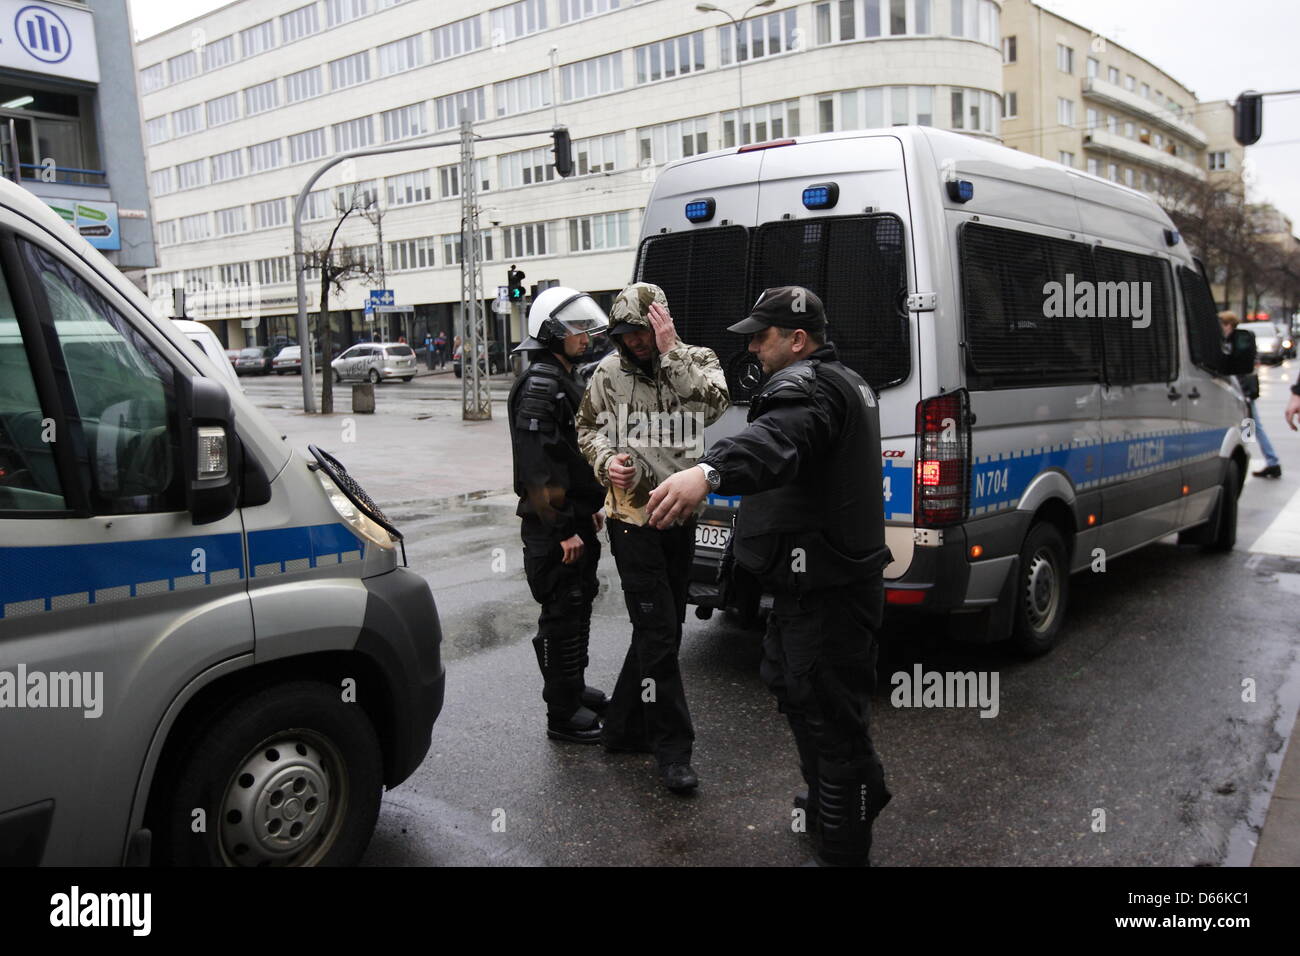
(380, 297)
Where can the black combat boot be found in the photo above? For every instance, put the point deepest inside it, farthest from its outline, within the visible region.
(849, 802)
(559, 658)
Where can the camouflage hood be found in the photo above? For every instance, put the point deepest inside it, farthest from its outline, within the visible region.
(632, 307)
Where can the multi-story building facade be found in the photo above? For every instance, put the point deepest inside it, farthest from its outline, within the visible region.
(241, 105)
(69, 129)
(1082, 100)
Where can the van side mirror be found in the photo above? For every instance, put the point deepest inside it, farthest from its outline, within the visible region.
(1239, 354)
(210, 449)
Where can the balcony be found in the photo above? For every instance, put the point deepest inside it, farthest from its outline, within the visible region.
(1095, 88)
(1105, 141)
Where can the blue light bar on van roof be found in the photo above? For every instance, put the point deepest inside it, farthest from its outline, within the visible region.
(700, 210)
(821, 196)
(960, 190)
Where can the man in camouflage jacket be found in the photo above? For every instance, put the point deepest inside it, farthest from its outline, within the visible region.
(641, 420)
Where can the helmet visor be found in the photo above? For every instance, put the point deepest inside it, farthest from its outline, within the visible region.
(580, 314)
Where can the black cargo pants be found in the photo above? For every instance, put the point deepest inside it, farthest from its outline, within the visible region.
(566, 593)
(654, 567)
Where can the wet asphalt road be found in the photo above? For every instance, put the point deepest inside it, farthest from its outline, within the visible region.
(1138, 712)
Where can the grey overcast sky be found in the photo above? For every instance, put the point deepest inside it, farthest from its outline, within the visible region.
(1216, 48)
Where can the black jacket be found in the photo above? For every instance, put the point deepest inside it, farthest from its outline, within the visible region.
(558, 492)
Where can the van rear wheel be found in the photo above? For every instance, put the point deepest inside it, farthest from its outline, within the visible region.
(1043, 591)
(289, 776)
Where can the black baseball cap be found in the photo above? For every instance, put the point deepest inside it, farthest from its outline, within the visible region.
(787, 307)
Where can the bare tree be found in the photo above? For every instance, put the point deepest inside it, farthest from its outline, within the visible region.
(338, 266)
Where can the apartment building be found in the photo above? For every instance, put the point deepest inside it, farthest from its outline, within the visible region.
(1085, 101)
(241, 105)
(69, 128)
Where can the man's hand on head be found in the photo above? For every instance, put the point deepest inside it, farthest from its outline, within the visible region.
(677, 497)
(662, 324)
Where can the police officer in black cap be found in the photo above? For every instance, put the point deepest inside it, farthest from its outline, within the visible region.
(811, 527)
(561, 504)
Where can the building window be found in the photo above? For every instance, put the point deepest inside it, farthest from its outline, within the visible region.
(449, 179)
(192, 175)
(1090, 119)
(274, 271)
(404, 122)
(257, 39)
(354, 134)
(350, 70)
(273, 212)
(1093, 68)
(227, 165)
(188, 120)
(409, 254)
(1217, 161)
(669, 58)
(598, 233)
(601, 74)
(362, 195)
(761, 123)
(1064, 58)
(452, 246)
(530, 239)
(182, 67)
(1112, 75)
(233, 273)
(671, 141)
(1112, 123)
(260, 98)
(1009, 105)
(1065, 159)
(401, 55)
(463, 36)
(231, 221)
(526, 167)
(1094, 167)
(974, 111)
(1145, 90)
(156, 130)
(342, 11)
(264, 156)
(167, 233)
(1130, 82)
(447, 108)
(151, 78)
(523, 93)
(976, 20)
(517, 20)
(408, 188)
(223, 110)
(317, 206)
(1128, 176)
(598, 154)
(302, 85)
(308, 145)
(218, 53)
(1009, 49)
(196, 227)
(1114, 172)
(1064, 111)
(758, 37)
(1129, 130)
(299, 23)
(573, 10)
(162, 181)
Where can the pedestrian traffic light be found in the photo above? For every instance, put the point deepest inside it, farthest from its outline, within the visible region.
(1248, 118)
(515, 280)
(563, 151)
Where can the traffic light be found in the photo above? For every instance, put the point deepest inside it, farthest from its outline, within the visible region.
(1248, 118)
(515, 279)
(563, 150)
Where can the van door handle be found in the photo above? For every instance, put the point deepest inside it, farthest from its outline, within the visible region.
(1174, 394)
(1194, 393)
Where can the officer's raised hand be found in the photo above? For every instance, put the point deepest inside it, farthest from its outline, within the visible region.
(662, 324)
(677, 497)
(572, 548)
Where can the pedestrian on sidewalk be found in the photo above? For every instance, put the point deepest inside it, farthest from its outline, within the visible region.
(440, 345)
(1228, 321)
(428, 350)
(560, 504)
(642, 419)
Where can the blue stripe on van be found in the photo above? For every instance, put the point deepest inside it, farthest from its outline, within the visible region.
(273, 552)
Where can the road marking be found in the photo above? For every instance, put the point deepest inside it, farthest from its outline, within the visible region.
(1283, 535)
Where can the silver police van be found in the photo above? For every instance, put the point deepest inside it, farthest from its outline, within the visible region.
(210, 651)
(1053, 387)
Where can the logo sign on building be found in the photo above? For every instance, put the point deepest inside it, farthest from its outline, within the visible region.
(48, 38)
(96, 222)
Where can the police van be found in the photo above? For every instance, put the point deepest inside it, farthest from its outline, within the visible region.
(210, 650)
(1053, 387)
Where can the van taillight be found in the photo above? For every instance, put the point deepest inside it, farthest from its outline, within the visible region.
(942, 460)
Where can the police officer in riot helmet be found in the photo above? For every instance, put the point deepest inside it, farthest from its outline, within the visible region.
(561, 504)
(810, 526)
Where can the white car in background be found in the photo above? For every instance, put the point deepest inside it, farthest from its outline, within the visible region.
(374, 362)
(206, 339)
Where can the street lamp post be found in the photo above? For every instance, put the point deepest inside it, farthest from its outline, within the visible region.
(740, 82)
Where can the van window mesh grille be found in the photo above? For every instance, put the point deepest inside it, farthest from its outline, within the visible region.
(1204, 338)
(1134, 355)
(1009, 338)
(857, 265)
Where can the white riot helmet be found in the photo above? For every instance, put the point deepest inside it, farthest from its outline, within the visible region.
(559, 312)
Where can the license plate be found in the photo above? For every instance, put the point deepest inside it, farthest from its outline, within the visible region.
(712, 536)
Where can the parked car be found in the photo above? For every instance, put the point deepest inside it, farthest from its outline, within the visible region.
(232, 356)
(255, 360)
(494, 365)
(375, 362)
(210, 345)
(1270, 345)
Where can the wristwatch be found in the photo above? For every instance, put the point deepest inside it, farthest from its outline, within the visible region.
(711, 475)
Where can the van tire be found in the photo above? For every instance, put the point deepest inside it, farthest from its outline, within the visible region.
(1225, 528)
(1042, 591)
(338, 757)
